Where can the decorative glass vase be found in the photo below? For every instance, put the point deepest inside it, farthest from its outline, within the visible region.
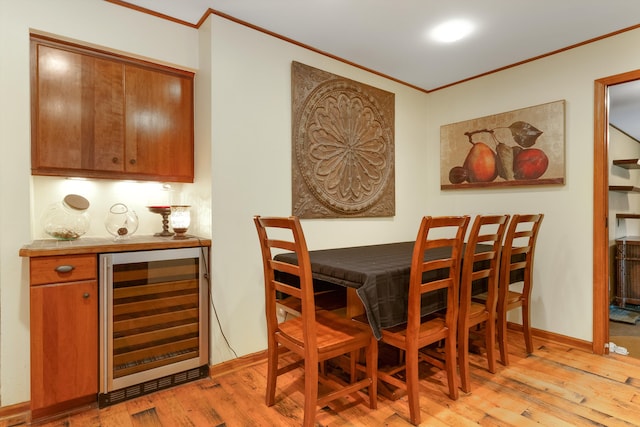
(121, 222)
(67, 219)
(180, 220)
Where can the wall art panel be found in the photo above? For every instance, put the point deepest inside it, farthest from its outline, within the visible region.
(342, 146)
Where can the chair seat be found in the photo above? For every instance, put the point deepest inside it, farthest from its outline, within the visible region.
(480, 297)
(332, 331)
(513, 297)
(476, 309)
(430, 331)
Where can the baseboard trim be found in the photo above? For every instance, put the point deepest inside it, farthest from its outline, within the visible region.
(551, 336)
(17, 413)
(237, 363)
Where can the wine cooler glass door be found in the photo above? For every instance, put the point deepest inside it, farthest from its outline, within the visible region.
(155, 316)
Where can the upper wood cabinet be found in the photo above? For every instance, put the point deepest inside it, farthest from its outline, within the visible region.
(101, 115)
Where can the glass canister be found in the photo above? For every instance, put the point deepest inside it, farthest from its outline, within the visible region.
(67, 219)
(121, 221)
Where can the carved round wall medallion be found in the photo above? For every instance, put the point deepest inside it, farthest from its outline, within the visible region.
(343, 147)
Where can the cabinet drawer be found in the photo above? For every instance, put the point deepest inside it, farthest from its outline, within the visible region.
(59, 269)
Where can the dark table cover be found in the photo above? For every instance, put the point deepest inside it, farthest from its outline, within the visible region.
(380, 275)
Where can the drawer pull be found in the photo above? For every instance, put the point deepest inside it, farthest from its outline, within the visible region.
(86, 295)
(64, 268)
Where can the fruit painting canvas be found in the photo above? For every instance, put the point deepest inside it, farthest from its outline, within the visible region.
(520, 147)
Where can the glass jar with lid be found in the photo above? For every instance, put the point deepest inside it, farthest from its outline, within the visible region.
(121, 222)
(67, 219)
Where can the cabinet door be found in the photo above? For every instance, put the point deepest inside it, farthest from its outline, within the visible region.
(64, 343)
(159, 117)
(78, 106)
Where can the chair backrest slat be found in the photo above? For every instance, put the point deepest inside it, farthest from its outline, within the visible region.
(287, 289)
(435, 285)
(285, 267)
(437, 264)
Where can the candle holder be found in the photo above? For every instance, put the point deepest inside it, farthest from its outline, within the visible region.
(180, 220)
(165, 211)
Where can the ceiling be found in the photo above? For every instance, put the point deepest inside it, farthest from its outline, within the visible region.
(390, 37)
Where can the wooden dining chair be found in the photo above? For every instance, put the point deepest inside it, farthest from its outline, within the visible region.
(316, 335)
(517, 262)
(445, 235)
(480, 269)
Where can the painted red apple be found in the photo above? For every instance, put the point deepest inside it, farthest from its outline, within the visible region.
(530, 163)
(480, 163)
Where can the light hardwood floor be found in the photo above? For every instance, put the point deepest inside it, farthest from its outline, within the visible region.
(556, 386)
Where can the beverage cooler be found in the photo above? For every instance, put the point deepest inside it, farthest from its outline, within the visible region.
(153, 321)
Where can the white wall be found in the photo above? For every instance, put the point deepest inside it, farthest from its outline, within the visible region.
(92, 22)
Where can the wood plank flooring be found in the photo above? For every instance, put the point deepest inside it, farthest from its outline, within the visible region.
(556, 386)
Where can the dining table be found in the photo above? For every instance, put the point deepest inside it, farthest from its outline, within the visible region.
(376, 278)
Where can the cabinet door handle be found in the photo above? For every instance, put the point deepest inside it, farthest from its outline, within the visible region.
(86, 295)
(114, 160)
(64, 268)
(132, 161)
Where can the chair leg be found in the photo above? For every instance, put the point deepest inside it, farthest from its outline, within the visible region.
(310, 393)
(490, 343)
(272, 374)
(463, 358)
(372, 372)
(526, 327)
(352, 366)
(502, 337)
(450, 361)
(412, 359)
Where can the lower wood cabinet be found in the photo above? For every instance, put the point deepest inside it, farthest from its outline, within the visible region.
(64, 333)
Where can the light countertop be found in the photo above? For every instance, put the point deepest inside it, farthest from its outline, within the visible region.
(89, 245)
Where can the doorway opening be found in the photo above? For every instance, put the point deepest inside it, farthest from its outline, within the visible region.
(601, 238)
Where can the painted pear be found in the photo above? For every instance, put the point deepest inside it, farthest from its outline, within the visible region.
(481, 163)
